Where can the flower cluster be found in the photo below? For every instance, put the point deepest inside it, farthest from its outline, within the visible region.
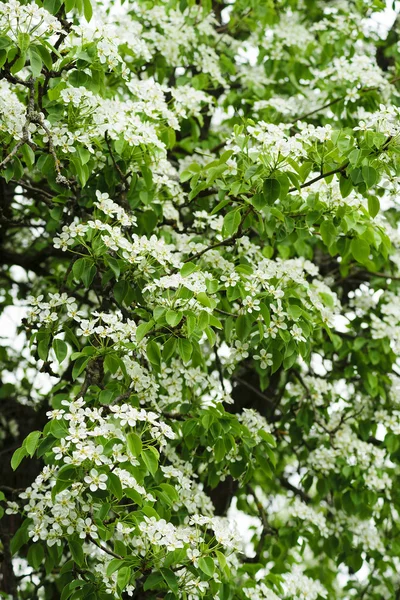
(17, 18)
(203, 234)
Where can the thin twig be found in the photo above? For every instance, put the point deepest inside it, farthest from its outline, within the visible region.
(255, 390)
(336, 100)
(226, 242)
(322, 176)
(297, 491)
(117, 167)
(382, 275)
(60, 178)
(104, 548)
(266, 527)
(34, 117)
(219, 368)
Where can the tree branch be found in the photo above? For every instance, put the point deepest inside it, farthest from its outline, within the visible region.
(226, 242)
(296, 491)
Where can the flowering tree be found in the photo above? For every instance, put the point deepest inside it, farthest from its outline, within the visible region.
(199, 217)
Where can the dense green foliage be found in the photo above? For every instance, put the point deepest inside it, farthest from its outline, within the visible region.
(198, 219)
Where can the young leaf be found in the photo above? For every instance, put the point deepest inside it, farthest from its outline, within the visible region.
(134, 443)
(232, 222)
(206, 564)
(171, 580)
(373, 206)
(153, 353)
(31, 442)
(60, 349)
(271, 190)
(150, 458)
(87, 10)
(17, 457)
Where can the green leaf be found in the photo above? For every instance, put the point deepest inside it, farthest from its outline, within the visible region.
(87, 10)
(3, 57)
(134, 443)
(43, 348)
(259, 201)
(188, 268)
(78, 268)
(266, 315)
(28, 155)
(214, 322)
(143, 329)
(150, 458)
(294, 311)
(23, 42)
(206, 564)
(35, 555)
(121, 290)
(328, 232)
(45, 56)
(232, 222)
(219, 450)
(5, 42)
(169, 348)
(20, 538)
(88, 273)
(75, 546)
(212, 285)
(171, 580)
(79, 366)
(204, 299)
(267, 437)
(19, 64)
(373, 206)
(360, 249)
(111, 363)
(147, 176)
(210, 335)
(345, 185)
(123, 577)
(271, 190)
(222, 562)
(243, 327)
(220, 206)
(153, 353)
(35, 62)
(31, 442)
(60, 349)
(114, 265)
(173, 317)
(153, 581)
(185, 349)
(17, 457)
(69, 5)
(169, 493)
(114, 565)
(369, 175)
(114, 485)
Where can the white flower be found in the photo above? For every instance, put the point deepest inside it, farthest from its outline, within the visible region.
(56, 414)
(297, 333)
(231, 280)
(86, 527)
(193, 555)
(265, 358)
(12, 508)
(251, 304)
(95, 480)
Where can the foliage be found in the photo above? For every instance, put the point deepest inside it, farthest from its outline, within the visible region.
(199, 217)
